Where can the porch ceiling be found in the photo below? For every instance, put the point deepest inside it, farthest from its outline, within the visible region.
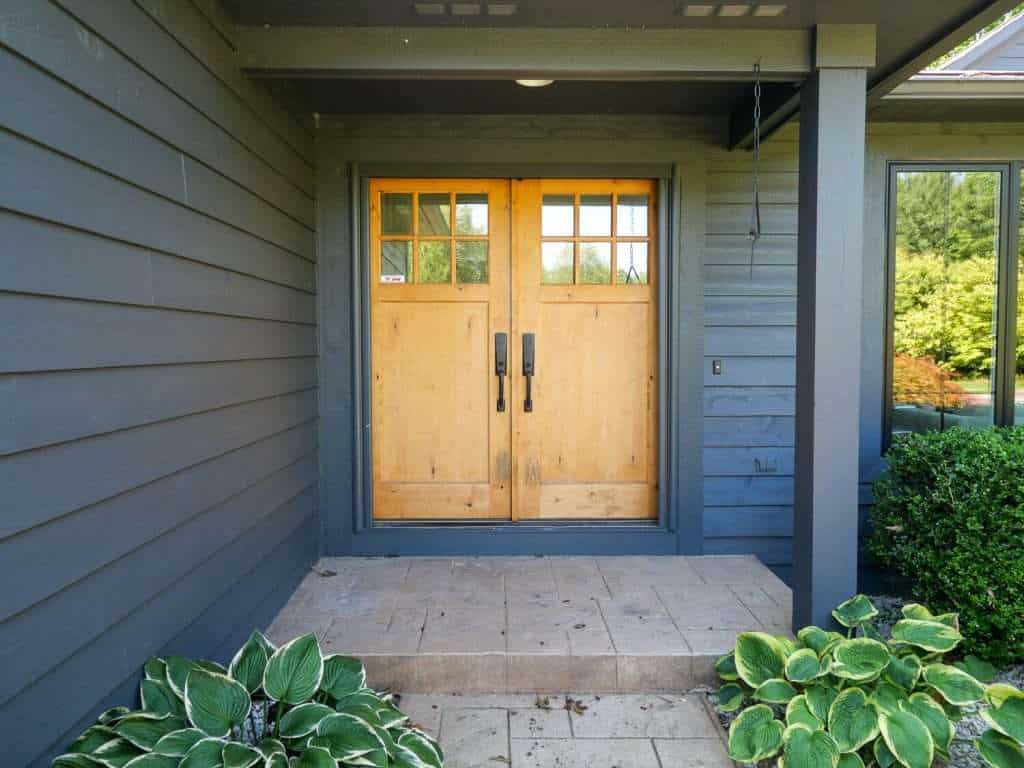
(482, 97)
(904, 28)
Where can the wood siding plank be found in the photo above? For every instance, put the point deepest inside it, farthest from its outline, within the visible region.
(751, 372)
(748, 431)
(750, 341)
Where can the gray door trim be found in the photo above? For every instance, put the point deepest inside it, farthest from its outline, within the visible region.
(679, 528)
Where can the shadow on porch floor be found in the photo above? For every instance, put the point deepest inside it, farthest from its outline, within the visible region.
(535, 624)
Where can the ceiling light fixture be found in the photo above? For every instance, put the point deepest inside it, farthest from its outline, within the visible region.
(534, 83)
(770, 9)
(465, 9)
(429, 9)
(699, 10)
(502, 9)
(734, 10)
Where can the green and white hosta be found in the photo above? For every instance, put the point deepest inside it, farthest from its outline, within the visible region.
(287, 707)
(857, 700)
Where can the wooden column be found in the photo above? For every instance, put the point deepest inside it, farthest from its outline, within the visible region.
(829, 308)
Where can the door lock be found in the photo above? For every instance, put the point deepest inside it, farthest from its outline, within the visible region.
(528, 370)
(501, 366)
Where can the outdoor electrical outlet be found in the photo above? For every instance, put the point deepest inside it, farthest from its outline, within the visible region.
(716, 367)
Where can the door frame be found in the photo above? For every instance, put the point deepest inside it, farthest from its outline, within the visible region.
(679, 527)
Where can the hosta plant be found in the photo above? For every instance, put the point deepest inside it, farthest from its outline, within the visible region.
(855, 700)
(287, 707)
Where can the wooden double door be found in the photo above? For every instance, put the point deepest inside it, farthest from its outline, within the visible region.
(513, 349)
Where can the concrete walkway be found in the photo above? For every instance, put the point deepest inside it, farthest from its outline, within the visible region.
(610, 731)
(535, 624)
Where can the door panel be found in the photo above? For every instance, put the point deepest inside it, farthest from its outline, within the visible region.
(583, 284)
(439, 293)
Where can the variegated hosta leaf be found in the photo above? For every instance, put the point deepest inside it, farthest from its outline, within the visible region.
(210, 666)
(295, 670)
(144, 732)
(238, 755)
(268, 747)
(424, 747)
(979, 669)
(277, 760)
(343, 676)
(805, 748)
(852, 720)
(725, 666)
(116, 752)
(208, 753)
(804, 666)
(997, 693)
(315, 757)
(215, 703)
(787, 644)
(249, 664)
(814, 638)
(755, 735)
(855, 611)
(730, 697)
(75, 760)
(158, 698)
(759, 658)
(883, 757)
(391, 716)
(931, 713)
(92, 738)
(919, 612)
(775, 691)
(364, 712)
(1008, 716)
(303, 719)
(932, 636)
(1000, 751)
(819, 700)
(888, 698)
(798, 712)
(869, 631)
(178, 743)
(178, 668)
(860, 659)
(152, 761)
(112, 715)
(955, 685)
(155, 669)
(347, 736)
(850, 760)
(904, 671)
(908, 739)
(406, 758)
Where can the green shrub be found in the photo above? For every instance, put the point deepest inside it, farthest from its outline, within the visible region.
(858, 699)
(287, 707)
(949, 515)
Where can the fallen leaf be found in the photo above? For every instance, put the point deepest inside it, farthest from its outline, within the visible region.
(542, 702)
(574, 706)
(325, 572)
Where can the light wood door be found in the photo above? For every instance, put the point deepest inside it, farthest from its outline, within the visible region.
(584, 286)
(439, 294)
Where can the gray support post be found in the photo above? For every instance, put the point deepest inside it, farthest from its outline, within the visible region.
(829, 279)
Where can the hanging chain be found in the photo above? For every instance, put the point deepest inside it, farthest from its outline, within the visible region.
(755, 203)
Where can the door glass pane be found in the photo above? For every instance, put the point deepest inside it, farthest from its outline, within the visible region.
(435, 214)
(396, 261)
(557, 216)
(556, 263)
(596, 263)
(631, 218)
(470, 214)
(595, 215)
(944, 303)
(631, 263)
(435, 261)
(396, 213)
(471, 261)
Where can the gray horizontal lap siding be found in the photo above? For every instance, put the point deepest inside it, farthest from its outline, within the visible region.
(750, 326)
(159, 457)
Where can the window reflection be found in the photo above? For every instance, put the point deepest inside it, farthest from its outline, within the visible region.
(944, 303)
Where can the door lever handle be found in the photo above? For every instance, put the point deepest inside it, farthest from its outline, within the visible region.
(528, 370)
(501, 366)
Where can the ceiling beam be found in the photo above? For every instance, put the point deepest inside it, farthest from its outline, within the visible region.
(484, 53)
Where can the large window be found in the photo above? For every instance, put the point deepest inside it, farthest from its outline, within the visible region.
(953, 354)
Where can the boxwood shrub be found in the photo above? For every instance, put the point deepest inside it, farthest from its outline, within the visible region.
(949, 516)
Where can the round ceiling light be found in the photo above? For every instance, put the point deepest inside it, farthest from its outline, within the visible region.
(534, 83)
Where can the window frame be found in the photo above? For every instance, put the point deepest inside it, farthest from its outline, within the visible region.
(1006, 282)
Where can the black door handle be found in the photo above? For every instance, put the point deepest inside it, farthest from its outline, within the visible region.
(501, 366)
(528, 370)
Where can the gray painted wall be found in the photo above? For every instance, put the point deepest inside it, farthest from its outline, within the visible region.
(158, 366)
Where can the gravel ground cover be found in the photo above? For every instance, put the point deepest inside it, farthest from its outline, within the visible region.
(962, 754)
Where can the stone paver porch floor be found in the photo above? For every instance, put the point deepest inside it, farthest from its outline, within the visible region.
(535, 624)
(602, 731)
